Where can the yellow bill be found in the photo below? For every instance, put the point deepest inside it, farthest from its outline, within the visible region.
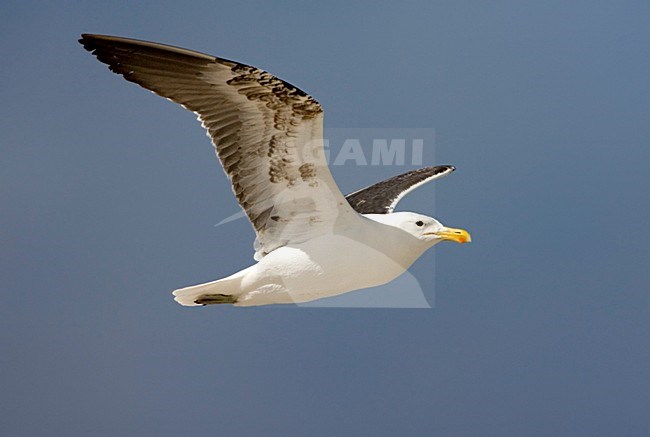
(453, 234)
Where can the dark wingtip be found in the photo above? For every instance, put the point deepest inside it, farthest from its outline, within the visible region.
(443, 168)
(446, 167)
(87, 42)
(84, 37)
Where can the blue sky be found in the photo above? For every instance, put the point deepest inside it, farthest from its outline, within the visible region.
(110, 195)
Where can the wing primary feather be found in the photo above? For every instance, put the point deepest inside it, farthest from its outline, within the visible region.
(382, 197)
(266, 132)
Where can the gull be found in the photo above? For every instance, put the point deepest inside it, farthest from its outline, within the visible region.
(311, 242)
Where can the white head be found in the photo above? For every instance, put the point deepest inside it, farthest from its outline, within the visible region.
(422, 227)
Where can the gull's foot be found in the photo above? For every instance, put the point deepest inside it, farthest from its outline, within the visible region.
(215, 299)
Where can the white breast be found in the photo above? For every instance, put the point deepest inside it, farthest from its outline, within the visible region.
(325, 266)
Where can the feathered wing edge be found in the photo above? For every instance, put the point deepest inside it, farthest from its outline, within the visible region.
(382, 197)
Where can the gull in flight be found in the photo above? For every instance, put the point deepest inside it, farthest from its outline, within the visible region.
(311, 240)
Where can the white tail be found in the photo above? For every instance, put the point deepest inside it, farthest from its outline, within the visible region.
(225, 290)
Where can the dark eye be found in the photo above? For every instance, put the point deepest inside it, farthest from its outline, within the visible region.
(419, 223)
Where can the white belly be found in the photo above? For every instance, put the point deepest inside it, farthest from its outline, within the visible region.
(322, 267)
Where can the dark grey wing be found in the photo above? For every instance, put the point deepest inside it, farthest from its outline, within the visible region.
(266, 132)
(382, 197)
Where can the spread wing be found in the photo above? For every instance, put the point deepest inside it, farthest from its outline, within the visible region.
(266, 132)
(382, 197)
